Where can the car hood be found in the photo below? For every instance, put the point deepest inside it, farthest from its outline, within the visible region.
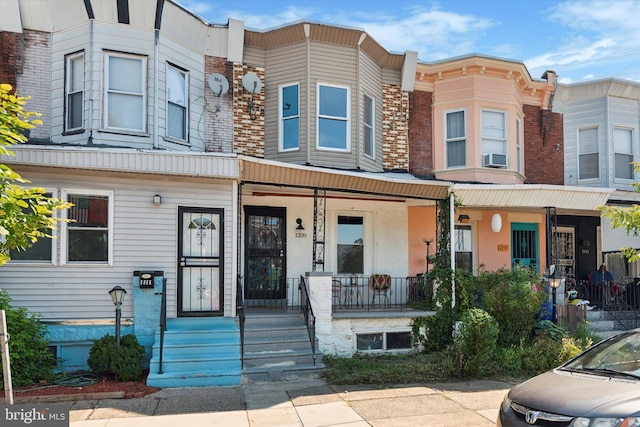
(577, 394)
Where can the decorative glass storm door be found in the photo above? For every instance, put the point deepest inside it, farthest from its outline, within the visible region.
(200, 284)
(265, 263)
(524, 245)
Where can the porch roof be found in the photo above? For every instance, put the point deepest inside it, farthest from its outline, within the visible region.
(563, 198)
(261, 171)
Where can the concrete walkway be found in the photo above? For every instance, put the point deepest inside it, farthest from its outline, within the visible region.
(308, 403)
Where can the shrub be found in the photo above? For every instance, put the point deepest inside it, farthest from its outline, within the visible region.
(434, 333)
(125, 363)
(474, 345)
(30, 359)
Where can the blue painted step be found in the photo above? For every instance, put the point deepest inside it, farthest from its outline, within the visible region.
(197, 352)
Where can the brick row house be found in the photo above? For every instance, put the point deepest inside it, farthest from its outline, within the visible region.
(237, 167)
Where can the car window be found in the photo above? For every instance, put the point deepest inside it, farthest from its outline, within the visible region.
(621, 353)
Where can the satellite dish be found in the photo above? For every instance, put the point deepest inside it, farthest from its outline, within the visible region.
(251, 83)
(218, 84)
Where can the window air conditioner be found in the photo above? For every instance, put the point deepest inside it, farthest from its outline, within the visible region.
(494, 160)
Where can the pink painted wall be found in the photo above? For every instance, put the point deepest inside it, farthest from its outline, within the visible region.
(422, 225)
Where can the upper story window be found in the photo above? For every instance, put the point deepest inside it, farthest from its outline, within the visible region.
(177, 102)
(74, 91)
(289, 117)
(369, 129)
(39, 252)
(588, 158)
(333, 118)
(87, 237)
(125, 100)
(623, 149)
(350, 244)
(519, 145)
(494, 139)
(456, 139)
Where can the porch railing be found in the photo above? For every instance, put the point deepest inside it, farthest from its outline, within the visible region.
(163, 322)
(309, 317)
(284, 294)
(354, 293)
(241, 318)
(620, 298)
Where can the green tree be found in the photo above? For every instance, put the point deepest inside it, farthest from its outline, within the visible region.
(26, 213)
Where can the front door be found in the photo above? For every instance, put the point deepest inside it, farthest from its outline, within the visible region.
(265, 253)
(524, 244)
(200, 266)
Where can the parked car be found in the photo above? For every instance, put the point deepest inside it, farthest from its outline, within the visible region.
(598, 388)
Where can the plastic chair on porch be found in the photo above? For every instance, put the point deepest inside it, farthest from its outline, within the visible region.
(336, 291)
(379, 284)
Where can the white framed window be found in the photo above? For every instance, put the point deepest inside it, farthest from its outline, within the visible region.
(177, 103)
(588, 156)
(289, 108)
(125, 97)
(623, 149)
(519, 145)
(42, 251)
(494, 135)
(368, 124)
(383, 341)
(74, 91)
(88, 237)
(455, 139)
(463, 246)
(350, 250)
(333, 118)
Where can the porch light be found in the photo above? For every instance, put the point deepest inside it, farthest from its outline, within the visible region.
(299, 222)
(117, 296)
(496, 223)
(157, 200)
(554, 282)
(463, 218)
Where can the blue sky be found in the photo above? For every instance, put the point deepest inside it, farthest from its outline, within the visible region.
(578, 39)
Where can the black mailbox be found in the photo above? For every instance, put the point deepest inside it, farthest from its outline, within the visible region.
(147, 278)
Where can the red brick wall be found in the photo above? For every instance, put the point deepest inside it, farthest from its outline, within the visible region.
(10, 57)
(218, 116)
(543, 146)
(420, 133)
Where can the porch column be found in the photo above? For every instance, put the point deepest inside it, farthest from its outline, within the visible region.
(319, 283)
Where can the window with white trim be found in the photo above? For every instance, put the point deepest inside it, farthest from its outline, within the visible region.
(333, 118)
(456, 139)
(125, 99)
(177, 102)
(74, 91)
(87, 237)
(39, 252)
(383, 341)
(463, 246)
(369, 128)
(350, 244)
(289, 135)
(588, 157)
(494, 137)
(623, 149)
(519, 145)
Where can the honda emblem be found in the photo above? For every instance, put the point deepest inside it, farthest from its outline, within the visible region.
(531, 417)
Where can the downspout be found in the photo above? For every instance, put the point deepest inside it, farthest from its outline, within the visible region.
(91, 47)
(452, 248)
(156, 78)
(307, 31)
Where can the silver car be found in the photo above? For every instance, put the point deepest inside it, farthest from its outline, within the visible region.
(598, 388)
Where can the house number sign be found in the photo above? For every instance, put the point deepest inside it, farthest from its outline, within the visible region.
(147, 278)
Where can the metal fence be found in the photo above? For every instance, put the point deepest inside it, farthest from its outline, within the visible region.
(373, 292)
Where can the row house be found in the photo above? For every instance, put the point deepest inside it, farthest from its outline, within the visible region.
(218, 172)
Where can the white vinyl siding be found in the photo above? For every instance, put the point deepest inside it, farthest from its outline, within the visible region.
(74, 91)
(368, 123)
(289, 117)
(455, 139)
(623, 149)
(333, 118)
(125, 99)
(588, 156)
(177, 103)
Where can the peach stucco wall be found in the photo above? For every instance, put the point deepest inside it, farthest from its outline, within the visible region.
(422, 225)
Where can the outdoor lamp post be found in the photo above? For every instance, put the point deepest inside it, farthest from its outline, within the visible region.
(554, 282)
(117, 296)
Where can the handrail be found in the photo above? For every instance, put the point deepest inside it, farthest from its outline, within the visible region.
(309, 317)
(163, 322)
(241, 318)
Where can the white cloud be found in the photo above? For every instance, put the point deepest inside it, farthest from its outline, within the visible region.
(590, 76)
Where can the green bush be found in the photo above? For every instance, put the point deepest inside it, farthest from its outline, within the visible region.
(125, 363)
(434, 333)
(30, 359)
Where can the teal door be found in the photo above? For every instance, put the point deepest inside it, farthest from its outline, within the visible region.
(524, 245)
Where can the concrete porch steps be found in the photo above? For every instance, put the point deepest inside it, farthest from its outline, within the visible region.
(277, 347)
(604, 324)
(198, 352)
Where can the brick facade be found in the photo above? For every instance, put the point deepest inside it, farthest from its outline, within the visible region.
(218, 118)
(395, 128)
(11, 53)
(248, 126)
(421, 133)
(543, 146)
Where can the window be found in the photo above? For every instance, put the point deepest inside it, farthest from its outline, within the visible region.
(350, 244)
(333, 118)
(125, 80)
(177, 102)
(74, 91)
(88, 235)
(40, 252)
(519, 145)
(589, 166)
(381, 341)
(623, 148)
(463, 247)
(456, 141)
(289, 117)
(494, 138)
(369, 131)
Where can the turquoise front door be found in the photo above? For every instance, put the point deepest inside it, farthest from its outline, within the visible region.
(524, 245)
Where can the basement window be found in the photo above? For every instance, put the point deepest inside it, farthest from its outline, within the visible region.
(384, 341)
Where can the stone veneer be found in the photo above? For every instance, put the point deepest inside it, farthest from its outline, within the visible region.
(248, 127)
(395, 128)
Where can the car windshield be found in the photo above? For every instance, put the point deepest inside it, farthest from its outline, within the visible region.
(619, 356)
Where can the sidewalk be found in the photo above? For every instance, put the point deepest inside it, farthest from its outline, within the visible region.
(308, 403)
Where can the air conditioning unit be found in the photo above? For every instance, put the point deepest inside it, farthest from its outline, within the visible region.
(494, 160)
